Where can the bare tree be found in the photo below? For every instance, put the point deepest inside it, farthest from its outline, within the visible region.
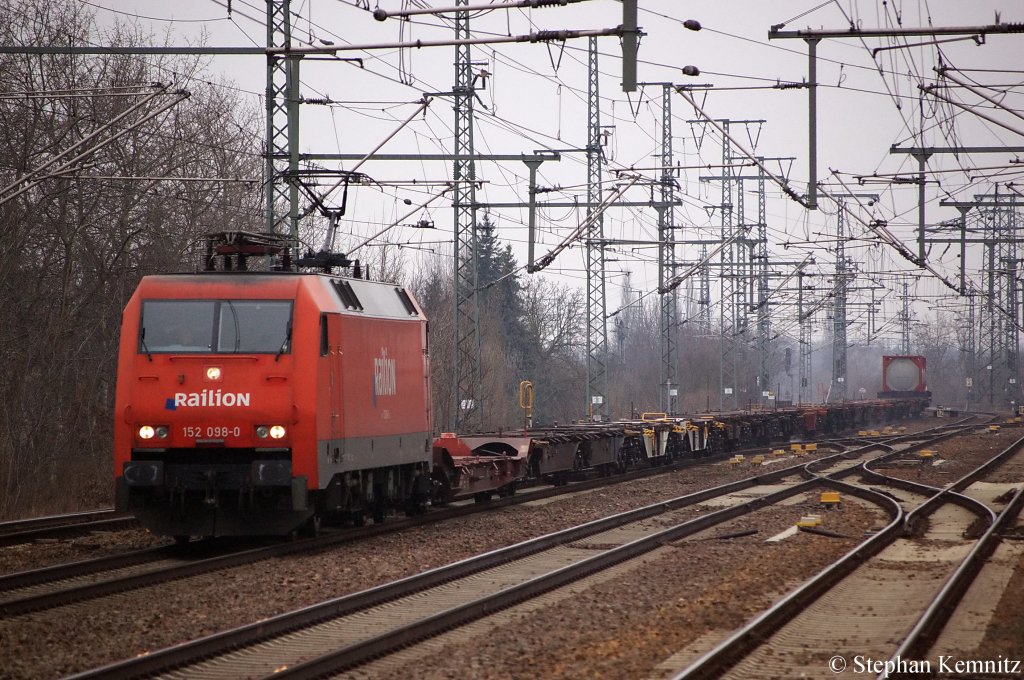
(80, 239)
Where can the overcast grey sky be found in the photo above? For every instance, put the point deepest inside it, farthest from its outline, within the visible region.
(535, 98)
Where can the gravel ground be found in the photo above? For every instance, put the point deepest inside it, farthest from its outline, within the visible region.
(956, 457)
(25, 556)
(625, 627)
(85, 635)
(1006, 629)
(88, 634)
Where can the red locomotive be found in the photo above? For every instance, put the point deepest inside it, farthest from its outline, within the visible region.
(256, 403)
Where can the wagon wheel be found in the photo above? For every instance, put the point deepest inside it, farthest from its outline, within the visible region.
(311, 528)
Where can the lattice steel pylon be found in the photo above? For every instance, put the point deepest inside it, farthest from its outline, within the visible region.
(905, 320)
(732, 261)
(1001, 325)
(468, 407)
(597, 327)
(969, 343)
(838, 391)
(667, 263)
(282, 119)
(806, 320)
(704, 294)
(764, 322)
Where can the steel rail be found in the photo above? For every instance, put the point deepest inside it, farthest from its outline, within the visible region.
(736, 646)
(58, 526)
(179, 654)
(102, 588)
(355, 654)
(18, 525)
(117, 584)
(927, 629)
(725, 654)
(188, 652)
(59, 572)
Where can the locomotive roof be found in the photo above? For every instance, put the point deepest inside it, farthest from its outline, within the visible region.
(339, 294)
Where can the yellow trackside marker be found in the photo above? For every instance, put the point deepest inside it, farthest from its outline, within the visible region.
(926, 453)
(779, 452)
(874, 433)
(830, 498)
(757, 460)
(809, 521)
(993, 428)
(810, 447)
(796, 447)
(862, 433)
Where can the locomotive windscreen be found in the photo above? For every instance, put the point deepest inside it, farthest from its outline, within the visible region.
(230, 326)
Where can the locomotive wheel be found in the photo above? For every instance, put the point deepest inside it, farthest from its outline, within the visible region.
(378, 514)
(311, 528)
(182, 539)
(482, 497)
(358, 518)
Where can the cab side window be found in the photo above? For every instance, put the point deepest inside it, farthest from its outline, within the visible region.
(325, 346)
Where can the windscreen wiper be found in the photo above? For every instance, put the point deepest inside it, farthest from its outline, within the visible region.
(142, 341)
(287, 341)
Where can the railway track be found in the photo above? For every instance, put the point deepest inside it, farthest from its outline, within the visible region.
(894, 592)
(60, 526)
(292, 644)
(523, 497)
(64, 584)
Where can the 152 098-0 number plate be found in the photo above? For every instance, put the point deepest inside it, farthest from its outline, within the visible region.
(211, 431)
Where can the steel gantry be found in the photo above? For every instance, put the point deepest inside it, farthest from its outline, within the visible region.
(468, 408)
(704, 295)
(667, 263)
(905, 320)
(764, 328)
(838, 389)
(1001, 318)
(597, 326)
(805, 366)
(732, 316)
(282, 111)
(738, 261)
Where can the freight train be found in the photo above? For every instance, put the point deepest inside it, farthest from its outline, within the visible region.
(255, 403)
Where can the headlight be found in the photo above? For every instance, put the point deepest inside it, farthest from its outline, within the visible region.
(213, 373)
(262, 431)
(161, 432)
(146, 432)
(277, 432)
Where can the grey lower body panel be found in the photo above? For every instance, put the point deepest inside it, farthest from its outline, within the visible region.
(335, 456)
